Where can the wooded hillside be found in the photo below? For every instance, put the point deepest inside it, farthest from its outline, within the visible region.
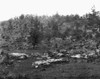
(53, 32)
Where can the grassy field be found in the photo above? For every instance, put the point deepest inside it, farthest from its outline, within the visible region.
(71, 70)
(55, 71)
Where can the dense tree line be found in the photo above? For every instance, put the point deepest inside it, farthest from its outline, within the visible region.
(57, 31)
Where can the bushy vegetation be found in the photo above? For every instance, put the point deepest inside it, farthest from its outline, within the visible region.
(50, 32)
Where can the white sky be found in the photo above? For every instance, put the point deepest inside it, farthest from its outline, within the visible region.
(12, 8)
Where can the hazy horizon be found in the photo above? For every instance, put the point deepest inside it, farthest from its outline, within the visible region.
(14, 8)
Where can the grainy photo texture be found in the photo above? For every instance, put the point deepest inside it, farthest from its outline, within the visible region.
(49, 39)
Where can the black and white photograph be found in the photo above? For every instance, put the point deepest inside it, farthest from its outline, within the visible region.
(49, 39)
